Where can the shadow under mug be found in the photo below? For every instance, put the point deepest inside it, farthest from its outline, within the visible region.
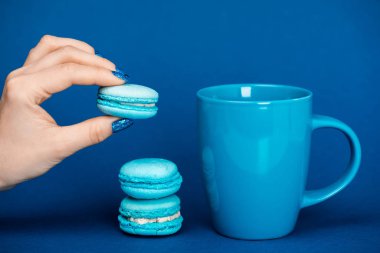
(255, 144)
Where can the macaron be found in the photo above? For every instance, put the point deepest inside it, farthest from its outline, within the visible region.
(131, 101)
(150, 217)
(149, 178)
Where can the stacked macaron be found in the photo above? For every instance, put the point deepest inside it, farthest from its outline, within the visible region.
(151, 207)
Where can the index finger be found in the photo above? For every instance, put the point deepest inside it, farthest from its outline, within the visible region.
(49, 43)
(60, 77)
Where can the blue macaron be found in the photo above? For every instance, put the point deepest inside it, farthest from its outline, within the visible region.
(150, 217)
(131, 101)
(150, 178)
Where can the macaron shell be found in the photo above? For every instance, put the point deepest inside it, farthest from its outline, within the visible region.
(128, 112)
(129, 91)
(156, 183)
(142, 193)
(151, 208)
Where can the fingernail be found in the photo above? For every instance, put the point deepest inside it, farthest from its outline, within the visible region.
(121, 124)
(120, 74)
(98, 54)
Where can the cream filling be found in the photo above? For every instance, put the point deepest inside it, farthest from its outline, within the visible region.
(142, 105)
(155, 220)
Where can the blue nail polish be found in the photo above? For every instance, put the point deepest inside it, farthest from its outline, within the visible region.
(121, 124)
(120, 74)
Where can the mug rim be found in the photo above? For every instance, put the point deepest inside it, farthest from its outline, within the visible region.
(204, 97)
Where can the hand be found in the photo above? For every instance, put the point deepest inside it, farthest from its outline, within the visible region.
(31, 142)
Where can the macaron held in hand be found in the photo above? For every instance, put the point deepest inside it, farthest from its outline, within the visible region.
(131, 101)
(150, 217)
(150, 178)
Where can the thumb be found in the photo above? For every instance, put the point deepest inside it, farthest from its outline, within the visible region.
(92, 131)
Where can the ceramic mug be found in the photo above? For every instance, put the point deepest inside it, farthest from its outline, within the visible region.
(255, 144)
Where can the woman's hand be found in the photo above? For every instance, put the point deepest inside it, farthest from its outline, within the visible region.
(31, 142)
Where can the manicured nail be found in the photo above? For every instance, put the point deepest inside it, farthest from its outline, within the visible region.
(121, 124)
(120, 74)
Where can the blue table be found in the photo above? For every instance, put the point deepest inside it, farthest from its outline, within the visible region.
(63, 213)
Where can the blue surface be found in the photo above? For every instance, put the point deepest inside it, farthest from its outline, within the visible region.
(329, 47)
(255, 145)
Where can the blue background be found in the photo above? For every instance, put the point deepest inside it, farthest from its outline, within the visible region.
(178, 47)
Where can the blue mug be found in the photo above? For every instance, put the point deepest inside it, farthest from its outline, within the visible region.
(255, 144)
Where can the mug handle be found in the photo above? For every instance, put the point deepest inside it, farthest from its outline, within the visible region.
(313, 197)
